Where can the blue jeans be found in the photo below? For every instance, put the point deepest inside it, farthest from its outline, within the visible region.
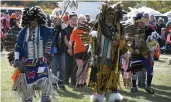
(58, 65)
(141, 77)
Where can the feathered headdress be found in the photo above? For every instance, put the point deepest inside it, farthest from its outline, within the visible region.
(33, 13)
(115, 10)
(135, 16)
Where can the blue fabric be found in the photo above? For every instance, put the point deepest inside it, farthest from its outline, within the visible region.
(57, 30)
(148, 63)
(105, 47)
(52, 48)
(32, 74)
(62, 48)
(55, 50)
(58, 65)
(28, 100)
(21, 44)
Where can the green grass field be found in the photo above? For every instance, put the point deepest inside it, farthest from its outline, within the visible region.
(161, 84)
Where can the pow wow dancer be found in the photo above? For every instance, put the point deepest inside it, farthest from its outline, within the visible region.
(143, 40)
(106, 51)
(32, 74)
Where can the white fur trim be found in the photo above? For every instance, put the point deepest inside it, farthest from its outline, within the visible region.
(27, 34)
(16, 54)
(93, 33)
(98, 97)
(115, 96)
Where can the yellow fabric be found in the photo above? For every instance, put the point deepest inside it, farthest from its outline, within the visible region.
(139, 20)
(108, 79)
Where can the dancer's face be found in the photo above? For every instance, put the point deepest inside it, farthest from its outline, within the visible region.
(33, 23)
(141, 24)
(110, 17)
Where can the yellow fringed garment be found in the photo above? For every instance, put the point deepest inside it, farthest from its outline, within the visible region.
(108, 77)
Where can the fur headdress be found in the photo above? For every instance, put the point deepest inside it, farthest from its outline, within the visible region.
(33, 13)
(115, 10)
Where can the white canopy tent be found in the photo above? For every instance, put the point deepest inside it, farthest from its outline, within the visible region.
(167, 14)
(143, 9)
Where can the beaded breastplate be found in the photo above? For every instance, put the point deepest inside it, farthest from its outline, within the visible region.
(35, 46)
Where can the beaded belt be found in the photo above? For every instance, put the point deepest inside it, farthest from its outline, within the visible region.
(33, 62)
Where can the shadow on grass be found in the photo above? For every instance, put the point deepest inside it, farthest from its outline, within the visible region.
(161, 87)
(162, 61)
(70, 94)
(159, 96)
(126, 100)
(163, 90)
(85, 91)
(162, 94)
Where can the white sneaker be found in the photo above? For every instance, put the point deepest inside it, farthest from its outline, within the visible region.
(115, 96)
(97, 98)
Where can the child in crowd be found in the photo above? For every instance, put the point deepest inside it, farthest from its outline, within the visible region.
(163, 36)
(126, 75)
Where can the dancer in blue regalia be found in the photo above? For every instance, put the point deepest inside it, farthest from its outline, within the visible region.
(32, 73)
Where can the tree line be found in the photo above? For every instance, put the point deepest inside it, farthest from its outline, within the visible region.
(161, 6)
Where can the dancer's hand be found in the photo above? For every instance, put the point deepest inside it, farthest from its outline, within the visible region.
(20, 65)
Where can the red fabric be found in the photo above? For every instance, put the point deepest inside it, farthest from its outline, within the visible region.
(168, 39)
(157, 51)
(169, 28)
(151, 26)
(7, 22)
(65, 18)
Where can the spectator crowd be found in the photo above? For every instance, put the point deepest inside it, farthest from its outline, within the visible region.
(63, 64)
